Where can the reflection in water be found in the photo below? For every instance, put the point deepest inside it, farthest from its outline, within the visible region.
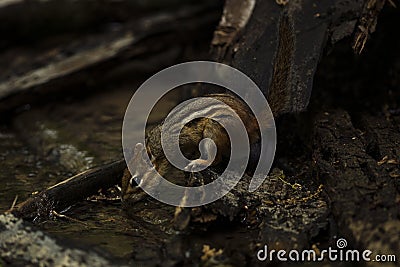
(43, 146)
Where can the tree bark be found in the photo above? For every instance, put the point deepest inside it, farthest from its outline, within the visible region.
(70, 191)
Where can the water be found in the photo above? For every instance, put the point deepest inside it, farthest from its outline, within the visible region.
(45, 145)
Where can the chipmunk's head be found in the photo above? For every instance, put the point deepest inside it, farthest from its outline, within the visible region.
(142, 176)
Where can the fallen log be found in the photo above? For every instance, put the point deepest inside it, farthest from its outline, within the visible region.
(23, 22)
(279, 45)
(145, 44)
(70, 191)
(359, 172)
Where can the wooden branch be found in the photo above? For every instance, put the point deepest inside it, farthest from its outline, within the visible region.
(234, 18)
(74, 63)
(70, 191)
(280, 45)
(367, 23)
(132, 46)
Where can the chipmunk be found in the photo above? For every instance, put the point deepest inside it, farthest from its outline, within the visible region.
(189, 138)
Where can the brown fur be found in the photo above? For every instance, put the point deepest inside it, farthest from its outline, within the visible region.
(195, 131)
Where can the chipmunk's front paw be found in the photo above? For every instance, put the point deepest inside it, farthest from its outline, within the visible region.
(197, 165)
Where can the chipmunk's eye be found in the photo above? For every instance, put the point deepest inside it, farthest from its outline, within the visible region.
(134, 181)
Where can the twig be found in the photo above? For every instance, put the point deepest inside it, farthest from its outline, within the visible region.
(70, 191)
(14, 202)
(55, 213)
